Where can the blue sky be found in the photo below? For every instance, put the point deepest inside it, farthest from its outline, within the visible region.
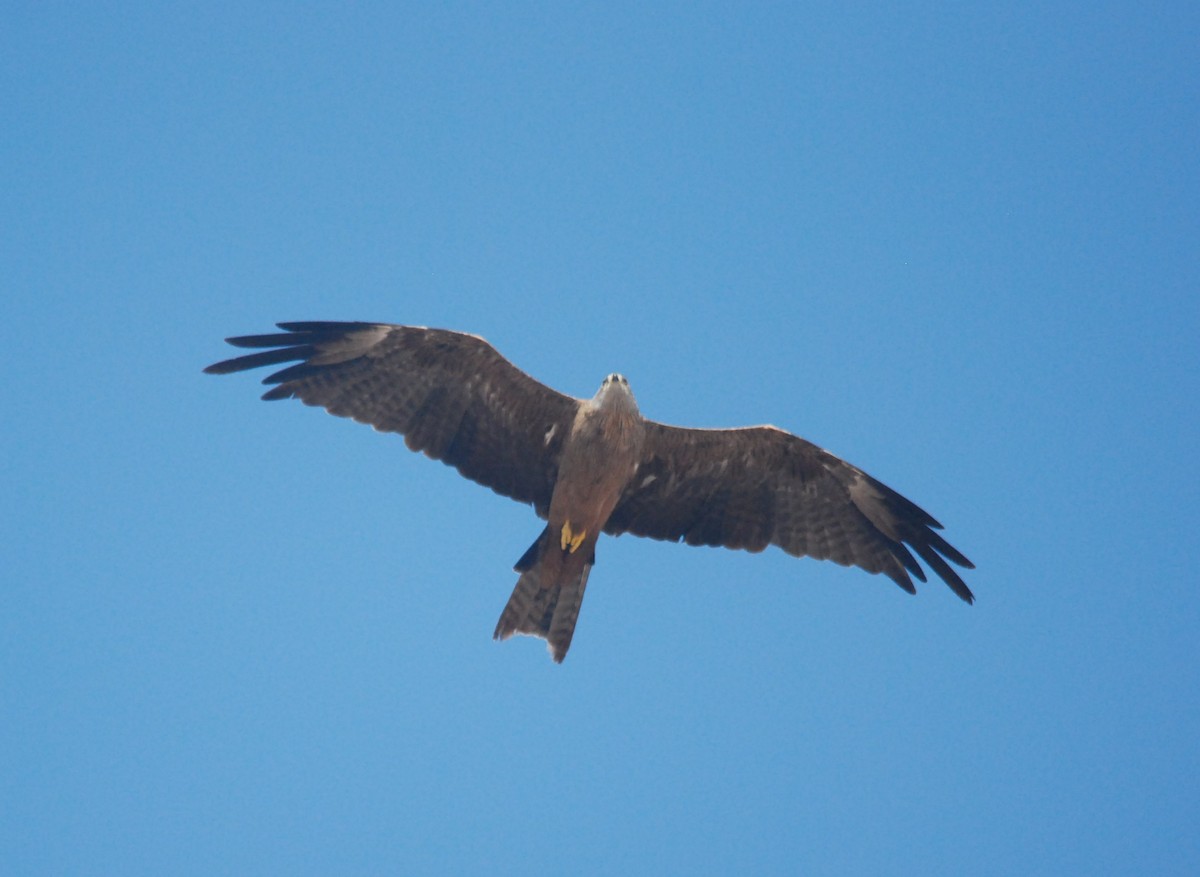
(954, 243)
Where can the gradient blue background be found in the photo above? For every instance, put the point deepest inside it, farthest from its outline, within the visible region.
(953, 243)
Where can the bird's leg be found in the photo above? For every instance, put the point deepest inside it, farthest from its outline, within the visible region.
(571, 540)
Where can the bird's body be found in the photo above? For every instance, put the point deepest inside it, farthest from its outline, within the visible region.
(599, 459)
(592, 466)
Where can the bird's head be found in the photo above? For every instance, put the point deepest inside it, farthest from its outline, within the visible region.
(615, 393)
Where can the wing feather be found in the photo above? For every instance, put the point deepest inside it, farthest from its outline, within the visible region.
(451, 395)
(758, 486)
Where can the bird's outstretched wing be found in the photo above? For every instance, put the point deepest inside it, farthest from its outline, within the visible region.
(451, 395)
(759, 486)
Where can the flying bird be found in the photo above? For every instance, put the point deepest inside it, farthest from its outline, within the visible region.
(592, 466)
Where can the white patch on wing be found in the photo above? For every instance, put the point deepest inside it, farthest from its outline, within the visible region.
(647, 481)
(550, 434)
(870, 503)
(350, 346)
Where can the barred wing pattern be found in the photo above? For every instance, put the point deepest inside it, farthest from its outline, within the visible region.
(451, 396)
(759, 486)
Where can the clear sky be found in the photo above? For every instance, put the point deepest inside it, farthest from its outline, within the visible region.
(956, 244)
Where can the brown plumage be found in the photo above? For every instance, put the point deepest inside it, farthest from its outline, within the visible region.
(595, 465)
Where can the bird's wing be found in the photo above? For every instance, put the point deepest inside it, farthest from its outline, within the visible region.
(759, 486)
(451, 395)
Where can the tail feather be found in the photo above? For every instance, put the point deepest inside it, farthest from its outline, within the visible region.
(566, 613)
(547, 598)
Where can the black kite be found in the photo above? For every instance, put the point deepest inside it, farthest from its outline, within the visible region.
(592, 465)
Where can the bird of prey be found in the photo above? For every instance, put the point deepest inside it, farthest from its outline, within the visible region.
(595, 465)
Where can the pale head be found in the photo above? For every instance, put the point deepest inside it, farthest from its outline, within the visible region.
(615, 394)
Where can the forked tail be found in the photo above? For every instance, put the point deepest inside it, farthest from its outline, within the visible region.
(548, 595)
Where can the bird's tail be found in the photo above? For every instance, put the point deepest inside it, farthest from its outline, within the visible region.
(548, 594)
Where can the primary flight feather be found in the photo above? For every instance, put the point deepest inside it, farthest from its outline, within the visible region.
(596, 465)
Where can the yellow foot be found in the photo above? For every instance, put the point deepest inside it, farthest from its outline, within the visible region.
(570, 539)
